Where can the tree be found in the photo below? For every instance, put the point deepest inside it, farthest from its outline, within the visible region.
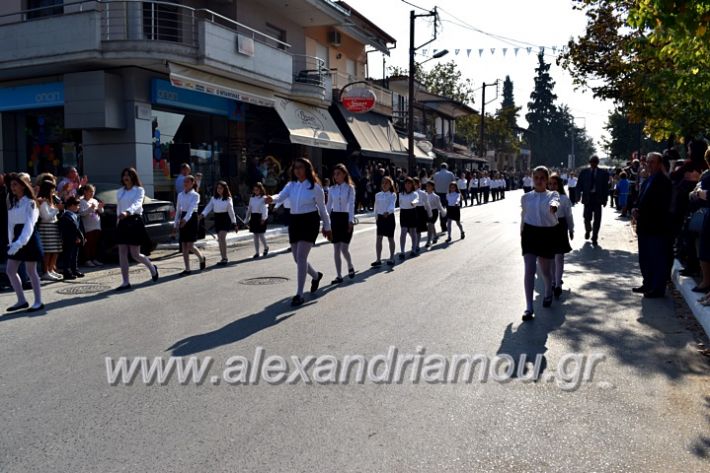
(625, 137)
(508, 111)
(541, 108)
(443, 79)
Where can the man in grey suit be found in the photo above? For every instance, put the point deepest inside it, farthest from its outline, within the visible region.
(593, 188)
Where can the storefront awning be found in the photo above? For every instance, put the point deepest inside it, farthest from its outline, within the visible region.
(374, 134)
(419, 153)
(461, 157)
(201, 81)
(309, 125)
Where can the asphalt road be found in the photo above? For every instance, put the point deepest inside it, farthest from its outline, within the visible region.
(645, 408)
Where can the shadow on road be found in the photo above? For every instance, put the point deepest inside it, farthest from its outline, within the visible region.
(701, 447)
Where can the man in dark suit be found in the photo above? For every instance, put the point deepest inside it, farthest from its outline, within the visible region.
(653, 226)
(593, 188)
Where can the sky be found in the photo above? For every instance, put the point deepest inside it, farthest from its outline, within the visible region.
(525, 23)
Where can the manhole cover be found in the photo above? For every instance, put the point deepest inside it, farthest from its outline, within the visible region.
(77, 289)
(265, 281)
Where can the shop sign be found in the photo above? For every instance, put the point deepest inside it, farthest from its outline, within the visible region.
(25, 97)
(358, 99)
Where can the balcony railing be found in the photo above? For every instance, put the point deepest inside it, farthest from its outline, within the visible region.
(310, 70)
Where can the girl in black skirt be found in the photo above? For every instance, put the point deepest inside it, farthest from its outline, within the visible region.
(130, 231)
(224, 218)
(307, 203)
(565, 233)
(187, 223)
(538, 236)
(408, 200)
(436, 209)
(22, 216)
(341, 205)
(423, 213)
(257, 215)
(385, 202)
(453, 210)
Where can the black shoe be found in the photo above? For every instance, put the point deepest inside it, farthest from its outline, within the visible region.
(155, 276)
(463, 235)
(187, 272)
(78, 274)
(654, 294)
(413, 254)
(448, 240)
(528, 315)
(203, 263)
(223, 262)
(256, 256)
(639, 290)
(316, 282)
(402, 256)
(127, 287)
(297, 301)
(36, 309)
(337, 280)
(266, 251)
(376, 264)
(557, 292)
(68, 276)
(390, 262)
(587, 235)
(594, 243)
(547, 302)
(351, 273)
(15, 307)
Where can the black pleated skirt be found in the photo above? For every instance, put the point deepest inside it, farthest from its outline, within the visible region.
(563, 244)
(539, 241)
(434, 216)
(408, 218)
(453, 213)
(255, 225)
(222, 222)
(303, 227)
(32, 251)
(422, 218)
(131, 231)
(188, 233)
(340, 223)
(386, 225)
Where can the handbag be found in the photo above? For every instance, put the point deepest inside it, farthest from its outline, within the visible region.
(697, 220)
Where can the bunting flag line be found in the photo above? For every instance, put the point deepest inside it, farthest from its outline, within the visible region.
(468, 53)
(556, 50)
(505, 50)
(456, 52)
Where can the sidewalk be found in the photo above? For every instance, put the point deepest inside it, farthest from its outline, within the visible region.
(685, 286)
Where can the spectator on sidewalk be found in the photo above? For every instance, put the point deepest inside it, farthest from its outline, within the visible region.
(652, 215)
(72, 239)
(593, 186)
(90, 211)
(442, 179)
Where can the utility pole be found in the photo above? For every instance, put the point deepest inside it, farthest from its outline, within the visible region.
(483, 116)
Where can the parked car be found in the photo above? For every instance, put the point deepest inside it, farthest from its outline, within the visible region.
(158, 216)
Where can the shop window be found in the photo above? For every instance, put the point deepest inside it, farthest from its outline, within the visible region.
(48, 146)
(43, 8)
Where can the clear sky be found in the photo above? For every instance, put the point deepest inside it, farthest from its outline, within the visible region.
(529, 23)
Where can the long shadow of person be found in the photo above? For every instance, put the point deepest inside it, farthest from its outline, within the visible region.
(235, 331)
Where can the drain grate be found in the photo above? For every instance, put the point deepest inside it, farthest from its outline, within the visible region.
(263, 281)
(79, 289)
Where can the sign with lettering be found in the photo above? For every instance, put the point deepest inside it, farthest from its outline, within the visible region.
(24, 97)
(358, 99)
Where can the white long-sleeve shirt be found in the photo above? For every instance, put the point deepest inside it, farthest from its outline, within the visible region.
(527, 181)
(47, 213)
(219, 206)
(89, 211)
(453, 199)
(461, 183)
(424, 201)
(186, 202)
(408, 201)
(341, 198)
(130, 200)
(473, 184)
(305, 198)
(435, 202)
(485, 182)
(565, 211)
(385, 203)
(24, 212)
(257, 205)
(536, 208)
(571, 182)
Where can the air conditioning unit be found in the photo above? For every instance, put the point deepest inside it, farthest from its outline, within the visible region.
(334, 38)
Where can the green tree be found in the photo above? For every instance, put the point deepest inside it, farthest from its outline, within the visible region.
(624, 137)
(508, 111)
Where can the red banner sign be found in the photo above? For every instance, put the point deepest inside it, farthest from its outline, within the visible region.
(358, 99)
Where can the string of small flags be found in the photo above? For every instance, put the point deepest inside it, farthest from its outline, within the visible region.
(515, 51)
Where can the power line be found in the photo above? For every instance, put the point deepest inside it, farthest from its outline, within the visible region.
(415, 6)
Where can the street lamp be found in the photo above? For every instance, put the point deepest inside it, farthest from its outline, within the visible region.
(411, 162)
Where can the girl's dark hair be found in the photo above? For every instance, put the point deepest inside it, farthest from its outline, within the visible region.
(560, 183)
(135, 180)
(310, 172)
(456, 186)
(194, 181)
(26, 189)
(389, 180)
(261, 188)
(404, 185)
(344, 169)
(226, 193)
(431, 184)
(45, 189)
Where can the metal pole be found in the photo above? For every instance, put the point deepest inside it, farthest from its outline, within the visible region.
(411, 163)
(571, 156)
(483, 117)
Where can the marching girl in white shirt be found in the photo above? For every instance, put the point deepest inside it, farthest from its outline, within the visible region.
(257, 215)
(453, 210)
(22, 216)
(423, 214)
(527, 183)
(473, 188)
(436, 209)
(307, 203)
(485, 188)
(224, 218)
(462, 182)
(539, 219)
(385, 202)
(187, 223)
(130, 231)
(341, 206)
(408, 200)
(565, 233)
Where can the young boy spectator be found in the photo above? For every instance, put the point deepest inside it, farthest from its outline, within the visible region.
(72, 238)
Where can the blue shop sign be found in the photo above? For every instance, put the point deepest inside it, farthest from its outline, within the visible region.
(24, 97)
(164, 93)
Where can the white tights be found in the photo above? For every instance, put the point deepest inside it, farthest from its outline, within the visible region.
(300, 251)
(449, 224)
(412, 232)
(531, 262)
(259, 238)
(11, 270)
(344, 250)
(134, 251)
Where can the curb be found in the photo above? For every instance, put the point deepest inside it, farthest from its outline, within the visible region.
(684, 286)
(232, 238)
